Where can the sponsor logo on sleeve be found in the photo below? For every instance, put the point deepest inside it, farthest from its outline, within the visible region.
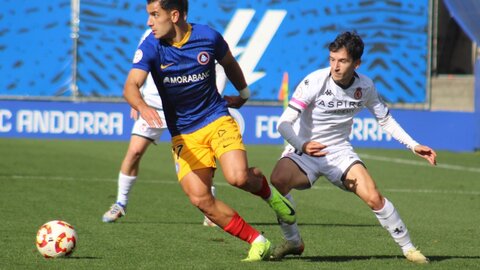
(138, 56)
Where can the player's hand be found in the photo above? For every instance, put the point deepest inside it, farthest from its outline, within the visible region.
(234, 101)
(151, 116)
(315, 149)
(426, 153)
(133, 114)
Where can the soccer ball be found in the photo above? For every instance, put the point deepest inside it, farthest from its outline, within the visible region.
(56, 238)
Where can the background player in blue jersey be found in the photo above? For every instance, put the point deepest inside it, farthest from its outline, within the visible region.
(181, 58)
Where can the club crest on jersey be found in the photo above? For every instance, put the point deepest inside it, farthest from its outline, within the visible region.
(358, 93)
(203, 58)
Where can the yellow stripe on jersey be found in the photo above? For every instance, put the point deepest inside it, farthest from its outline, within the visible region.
(185, 38)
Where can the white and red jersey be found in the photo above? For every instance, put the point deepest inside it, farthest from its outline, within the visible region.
(323, 111)
(150, 93)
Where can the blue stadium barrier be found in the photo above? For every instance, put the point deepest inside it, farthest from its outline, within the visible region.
(454, 131)
(477, 102)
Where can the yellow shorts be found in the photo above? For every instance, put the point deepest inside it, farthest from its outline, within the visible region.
(200, 149)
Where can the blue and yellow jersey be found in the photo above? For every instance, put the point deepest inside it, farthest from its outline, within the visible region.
(184, 74)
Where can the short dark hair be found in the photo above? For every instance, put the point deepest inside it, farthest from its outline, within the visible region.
(351, 41)
(180, 5)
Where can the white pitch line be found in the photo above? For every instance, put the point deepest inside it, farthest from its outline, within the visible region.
(418, 163)
(58, 178)
(461, 192)
(397, 190)
(222, 183)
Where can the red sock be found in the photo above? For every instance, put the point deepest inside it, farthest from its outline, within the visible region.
(264, 191)
(241, 229)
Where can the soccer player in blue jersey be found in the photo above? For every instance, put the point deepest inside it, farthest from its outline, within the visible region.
(181, 58)
(142, 137)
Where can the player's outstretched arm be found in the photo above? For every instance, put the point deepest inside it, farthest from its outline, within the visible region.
(426, 153)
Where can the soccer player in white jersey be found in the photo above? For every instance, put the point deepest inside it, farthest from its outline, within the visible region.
(317, 125)
(142, 137)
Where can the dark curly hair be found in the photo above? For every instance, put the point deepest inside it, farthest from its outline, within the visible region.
(351, 41)
(180, 5)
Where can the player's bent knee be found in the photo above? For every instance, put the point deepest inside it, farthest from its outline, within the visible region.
(202, 203)
(375, 201)
(135, 154)
(237, 179)
(255, 171)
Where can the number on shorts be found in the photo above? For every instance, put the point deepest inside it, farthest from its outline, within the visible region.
(177, 149)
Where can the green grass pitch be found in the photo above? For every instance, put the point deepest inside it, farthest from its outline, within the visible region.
(75, 181)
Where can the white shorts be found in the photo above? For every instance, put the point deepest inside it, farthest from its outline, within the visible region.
(334, 166)
(142, 129)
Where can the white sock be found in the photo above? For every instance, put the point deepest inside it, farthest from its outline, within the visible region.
(125, 183)
(260, 239)
(391, 221)
(290, 231)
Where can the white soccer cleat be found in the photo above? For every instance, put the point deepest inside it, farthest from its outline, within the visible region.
(115, 212)
(208, 223)
(414, 255)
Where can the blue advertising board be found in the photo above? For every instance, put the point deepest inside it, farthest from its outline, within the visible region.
(64, 120)
(268, 38)
(453, 131)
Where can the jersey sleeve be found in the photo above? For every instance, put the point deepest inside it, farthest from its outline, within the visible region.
(144, 55)
(303, 95)
(378, 108)
(376, 105)
(221, 46)
(393, 128)
(285, 128)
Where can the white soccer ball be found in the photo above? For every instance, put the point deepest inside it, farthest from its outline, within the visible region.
(56, 238)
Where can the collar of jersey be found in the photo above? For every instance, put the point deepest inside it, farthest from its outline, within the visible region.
(355, 75)
(184, 39)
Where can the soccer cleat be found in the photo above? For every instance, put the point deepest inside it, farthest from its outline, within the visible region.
(287, 248)
(115, 212)
(414, 255)
(207, 222)
(282, 207)
(259, 251)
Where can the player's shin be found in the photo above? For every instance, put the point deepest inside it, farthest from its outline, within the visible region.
(290, 231)
(206, 221)
(391, 221)
(238, 227)
(264, 192)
